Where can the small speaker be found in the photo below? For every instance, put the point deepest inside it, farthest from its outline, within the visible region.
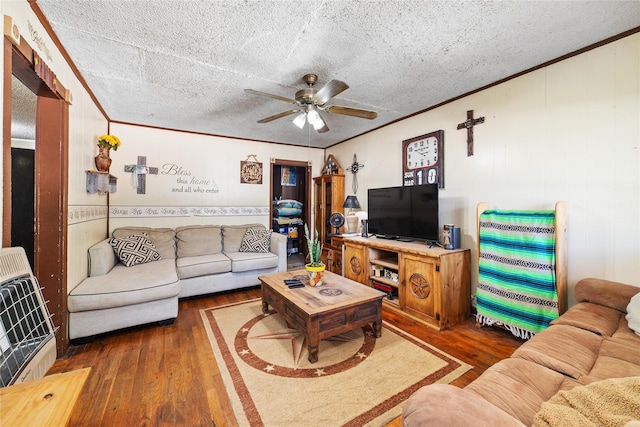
(456, 238)
(365, 228)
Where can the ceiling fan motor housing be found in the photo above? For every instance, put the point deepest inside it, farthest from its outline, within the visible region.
(306, 95)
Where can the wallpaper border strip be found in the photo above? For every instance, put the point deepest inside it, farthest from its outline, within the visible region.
(82, 213)
(77, 214)
(185, 211)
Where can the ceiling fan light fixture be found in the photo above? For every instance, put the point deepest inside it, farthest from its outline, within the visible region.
(299, 120)
(313, 116)
(314, 119)
(318, 123)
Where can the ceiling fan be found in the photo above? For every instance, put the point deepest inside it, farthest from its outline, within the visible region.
(310, 101)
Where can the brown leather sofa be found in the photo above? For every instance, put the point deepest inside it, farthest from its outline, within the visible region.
(589, 343)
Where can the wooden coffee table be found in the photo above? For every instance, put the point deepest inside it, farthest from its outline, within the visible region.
(338, 306)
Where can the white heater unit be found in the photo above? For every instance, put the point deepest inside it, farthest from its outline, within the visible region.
(27, 336)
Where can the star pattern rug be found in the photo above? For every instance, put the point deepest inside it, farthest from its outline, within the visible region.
(358, 379)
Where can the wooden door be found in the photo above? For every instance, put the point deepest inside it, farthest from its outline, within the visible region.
(355, 263)
(421, 290)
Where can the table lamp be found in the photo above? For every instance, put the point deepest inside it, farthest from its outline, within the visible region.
(351, 202)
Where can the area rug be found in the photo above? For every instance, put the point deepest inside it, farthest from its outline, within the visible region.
(358, 379)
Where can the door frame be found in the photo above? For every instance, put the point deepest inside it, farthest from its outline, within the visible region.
(307, 191)
(51, 180)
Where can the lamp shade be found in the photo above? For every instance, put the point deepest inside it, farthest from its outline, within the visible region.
(351, 202)
(300, 120)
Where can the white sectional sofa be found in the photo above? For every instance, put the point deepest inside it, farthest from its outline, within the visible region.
(194, 260)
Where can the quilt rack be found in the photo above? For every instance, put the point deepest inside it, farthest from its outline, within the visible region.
(522, 268)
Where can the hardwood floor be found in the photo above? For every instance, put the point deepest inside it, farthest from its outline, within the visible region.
(167, 375)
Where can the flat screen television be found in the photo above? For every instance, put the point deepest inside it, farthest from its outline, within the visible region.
(404, 213)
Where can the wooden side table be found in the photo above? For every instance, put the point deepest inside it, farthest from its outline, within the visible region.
(44, 402)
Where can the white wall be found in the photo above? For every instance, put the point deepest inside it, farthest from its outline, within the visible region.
(198, 179)
(87, 213)
(569, 131)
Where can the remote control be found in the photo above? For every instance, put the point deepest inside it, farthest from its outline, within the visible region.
(296, 285)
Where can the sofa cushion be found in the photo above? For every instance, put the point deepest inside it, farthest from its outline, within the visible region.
(125, 286)
(611, 367)
(232, 236)
(626, 336)
(633, 314)
(519, 387)
(163, 238)
(595, 318)
(198, 240)
(135, 249)
(623, 349)
(256, 240)
(434, 406)
(565, 349)
(102, 258)
(202, 265)
(247, 261)
(605, 292)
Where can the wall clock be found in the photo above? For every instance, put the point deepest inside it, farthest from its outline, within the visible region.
(423, 159)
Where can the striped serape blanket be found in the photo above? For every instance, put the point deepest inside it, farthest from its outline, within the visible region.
(517, 280)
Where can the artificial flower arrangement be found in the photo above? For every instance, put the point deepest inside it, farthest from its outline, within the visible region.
(109, 141)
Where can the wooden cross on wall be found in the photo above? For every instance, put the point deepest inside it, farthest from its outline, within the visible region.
(141, 170)
(469, 124)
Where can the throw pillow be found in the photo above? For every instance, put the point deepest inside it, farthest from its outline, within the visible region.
(256, 240)
(135, 249)
(633, 314)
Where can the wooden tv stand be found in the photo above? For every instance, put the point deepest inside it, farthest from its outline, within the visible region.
(430, 284)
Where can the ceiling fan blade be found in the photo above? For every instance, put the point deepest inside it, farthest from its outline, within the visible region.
(324, 128)
(355, 112)
(330, 90)
(278, 116)
(269, 95)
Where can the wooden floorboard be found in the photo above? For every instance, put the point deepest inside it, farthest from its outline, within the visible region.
(167, 375)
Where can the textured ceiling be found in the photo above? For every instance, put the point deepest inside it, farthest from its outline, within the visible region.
(185, 64)
(23, 111)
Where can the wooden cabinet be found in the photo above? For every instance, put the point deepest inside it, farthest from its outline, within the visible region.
(355, 262)
(334, 255)
(328, 193)
(432, 285)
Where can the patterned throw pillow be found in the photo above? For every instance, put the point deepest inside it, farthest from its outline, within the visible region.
(256, 240)
(135, 249)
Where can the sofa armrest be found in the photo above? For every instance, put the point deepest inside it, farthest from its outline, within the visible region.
(279, 247)
(102, 258)
(445, 405)
(605, 292)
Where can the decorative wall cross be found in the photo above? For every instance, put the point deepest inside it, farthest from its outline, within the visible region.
(141, 170)
(354, 168)
(469, 124)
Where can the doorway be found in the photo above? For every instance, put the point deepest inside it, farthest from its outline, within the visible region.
(50, 168)
(290, 197)
(22, 197)
(23, 144)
